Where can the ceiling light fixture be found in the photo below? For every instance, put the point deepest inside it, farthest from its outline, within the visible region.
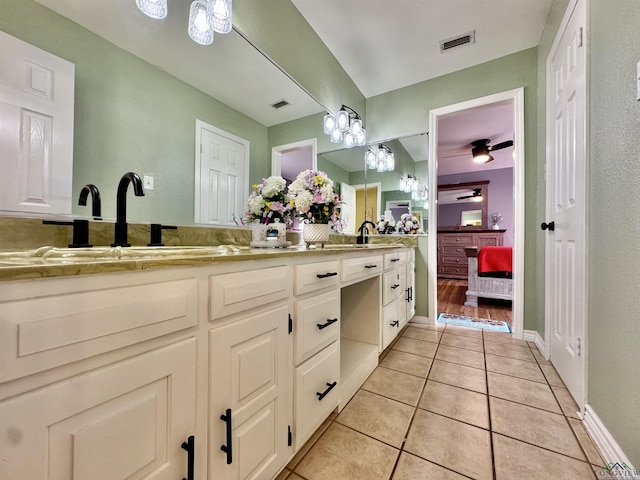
(480, 153)
(205, 17)
(380, 158)
(409, 184)
(345, 125)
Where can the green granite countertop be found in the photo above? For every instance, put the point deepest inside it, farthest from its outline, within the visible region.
(49, 262)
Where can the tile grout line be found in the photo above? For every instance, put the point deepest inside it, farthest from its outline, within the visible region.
(491, 446)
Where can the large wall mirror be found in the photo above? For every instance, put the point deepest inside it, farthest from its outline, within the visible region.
(463, 205)
(141, 84)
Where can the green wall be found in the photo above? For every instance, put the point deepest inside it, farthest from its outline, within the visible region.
(614, 228)
(130, 116)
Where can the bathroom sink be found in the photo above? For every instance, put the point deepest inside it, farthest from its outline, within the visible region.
(53, 255)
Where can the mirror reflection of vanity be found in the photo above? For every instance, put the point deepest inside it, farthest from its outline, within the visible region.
(462, 222)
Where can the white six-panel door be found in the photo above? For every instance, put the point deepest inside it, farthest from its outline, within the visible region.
(566, 184)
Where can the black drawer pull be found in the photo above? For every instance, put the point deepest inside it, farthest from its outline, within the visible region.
(330, 321)
(395, 323)
(394, 286)
(330, 387)
(370, 266)
(410, 293)
(228, 448)
(190, 447)
(325, 275)
(395, 259)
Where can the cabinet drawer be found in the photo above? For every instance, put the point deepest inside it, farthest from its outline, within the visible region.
(487, 241)
(315, 276)
(315, 398)
(362, 267)
(452, 269)
(391, 286)
(317, 324)
(392, 260)
(40, 333)
(454, 260)
(235, 292)
(457, 239)
(456, 250)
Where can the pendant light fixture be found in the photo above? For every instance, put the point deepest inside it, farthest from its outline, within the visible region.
(380, 158)
(345, 125)
(205, 17)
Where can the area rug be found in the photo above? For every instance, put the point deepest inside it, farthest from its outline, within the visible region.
(473, 322)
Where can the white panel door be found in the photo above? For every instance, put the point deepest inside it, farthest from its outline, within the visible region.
(36, 129)
(565, 197)
(249, 401)
(348, 209)
(124, 421)
(222, 166)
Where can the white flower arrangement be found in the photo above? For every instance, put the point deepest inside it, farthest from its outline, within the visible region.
(315, 200)
(495, 218)
(386, 226)
(269, 202)
(409, 224)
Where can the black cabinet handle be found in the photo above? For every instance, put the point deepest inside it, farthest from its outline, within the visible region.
(190, 447)
(325, 275)
(228, 448)
(395, 259)
(330, 321)
(395, 323)
(551, 226)
(394, 286)
(411, 293)
(408, 294)
(330, 387)
(370, 266)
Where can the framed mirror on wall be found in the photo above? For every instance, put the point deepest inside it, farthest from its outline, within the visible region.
(463, 205)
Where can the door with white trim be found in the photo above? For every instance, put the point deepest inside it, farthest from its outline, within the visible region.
(221, 184)
(565, 243)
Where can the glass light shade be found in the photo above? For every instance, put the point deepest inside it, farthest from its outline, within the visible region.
(356, 126)
(391, 162)
(153, 8)
(349, 140)
(336, 136)
(382, 154)
(220, 15)
(342, 120)
(370, 158)
(361, 137)
(329, 124)
(477, 198)
(381, 166)
(482, 158)
(199, 29)
(403, 185)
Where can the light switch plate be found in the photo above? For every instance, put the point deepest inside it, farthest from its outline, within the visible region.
(148, 182)
(638, 81)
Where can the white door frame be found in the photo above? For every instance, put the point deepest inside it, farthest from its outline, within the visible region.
(550, 122)
(279, 150)
(517, 96)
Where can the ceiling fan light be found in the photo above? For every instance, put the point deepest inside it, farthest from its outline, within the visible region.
(153, 8)
(220, 15)
(477, 198)
(329, 123)
(199, 28)
(342, 120)
(336, 136)
(482, 158)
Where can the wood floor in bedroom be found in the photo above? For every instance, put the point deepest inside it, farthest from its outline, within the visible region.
(451, 296)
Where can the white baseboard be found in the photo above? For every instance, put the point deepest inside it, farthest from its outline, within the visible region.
(534, 336)
(421, 319)
(610, 449)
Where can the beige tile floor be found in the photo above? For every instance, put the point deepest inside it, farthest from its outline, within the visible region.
(450, 403)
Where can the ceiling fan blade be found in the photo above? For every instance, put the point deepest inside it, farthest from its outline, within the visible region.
(500, 146)
(466, 154)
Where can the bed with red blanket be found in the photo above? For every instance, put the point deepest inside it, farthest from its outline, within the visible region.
(490, 274)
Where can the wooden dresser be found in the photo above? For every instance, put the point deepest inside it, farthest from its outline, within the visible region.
(452, 261)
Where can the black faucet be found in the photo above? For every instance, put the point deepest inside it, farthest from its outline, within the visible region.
(364, 232)
(120, 230)
(96, 204)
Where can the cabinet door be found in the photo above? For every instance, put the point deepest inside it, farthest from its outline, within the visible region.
(402, 296)
(390, 323)
(410, 291)
(126, 420)
(249, 370)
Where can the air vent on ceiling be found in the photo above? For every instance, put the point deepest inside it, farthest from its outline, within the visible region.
(280, 104)
(464, 39)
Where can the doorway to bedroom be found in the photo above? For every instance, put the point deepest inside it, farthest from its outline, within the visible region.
(476, 224)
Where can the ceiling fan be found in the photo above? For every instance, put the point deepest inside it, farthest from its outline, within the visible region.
(481, 148)
(476, 195)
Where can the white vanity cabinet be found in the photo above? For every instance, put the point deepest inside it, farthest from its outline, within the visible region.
(316, 332)
(394, 295)
(98, 379)
(249, 374)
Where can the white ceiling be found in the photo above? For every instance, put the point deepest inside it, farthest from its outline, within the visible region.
(384, 45)
(230, 70)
